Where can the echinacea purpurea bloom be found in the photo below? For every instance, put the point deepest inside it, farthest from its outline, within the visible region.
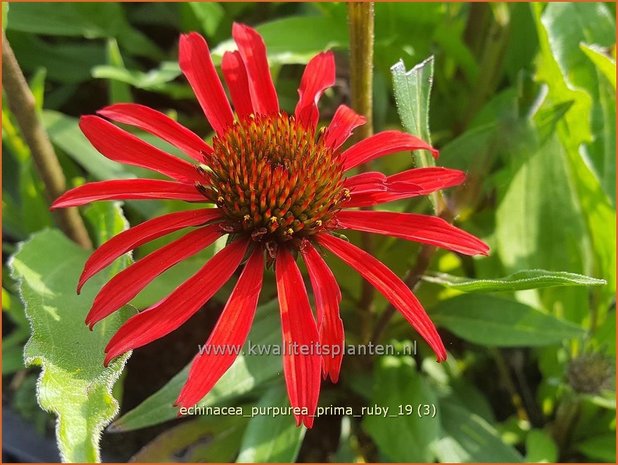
(280, 190)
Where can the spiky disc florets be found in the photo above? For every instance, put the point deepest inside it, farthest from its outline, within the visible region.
(275, 180)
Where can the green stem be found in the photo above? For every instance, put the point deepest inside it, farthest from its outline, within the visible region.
(361, 22)
(22, 105)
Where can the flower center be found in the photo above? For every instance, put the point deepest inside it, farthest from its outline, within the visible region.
(274, 180)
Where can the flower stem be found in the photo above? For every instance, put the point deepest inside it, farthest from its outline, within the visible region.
(361, 21)
(360, 16)
(22, 105)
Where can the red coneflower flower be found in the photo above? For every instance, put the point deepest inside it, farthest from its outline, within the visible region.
(280, 190)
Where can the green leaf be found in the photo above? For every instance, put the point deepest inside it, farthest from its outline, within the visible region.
(247, 372)
(286, 46)
(65, 62)
(118, 90)
(571, 75)
(412, 92)
(601, 447)
(271, 439)
(5, 11)
(604, 63)
(156, 79)
(205, 439)
(402, 435)
(539, 224)
(540, 447)
(209, 14)
(88, 20)
(37, 86)
(469, 438)
(73, 383)
(497, 322)
(525, 279)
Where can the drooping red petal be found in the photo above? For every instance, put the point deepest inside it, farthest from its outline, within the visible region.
(140, 234)
(409, 183)
(160, 125)
(253, 52)
(129, 282)
(118, 145)
(327, 299)
(389, 285)
(301, 364)
(167, 315)
(413, 227)
(127, 189)
(237, 82)
(380, 144)
(344, 121)
(318, 76)
(228, 336)
(197, 66)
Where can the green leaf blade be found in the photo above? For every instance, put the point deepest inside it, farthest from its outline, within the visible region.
(412, 93)
(497, 322)
(271, 439)
(402, 436)
(73, 384)
(521, 280)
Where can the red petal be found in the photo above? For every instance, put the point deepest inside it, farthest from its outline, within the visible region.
(301, 364)
(160, 125)
(142, 233)
(389, 285)
(410, 183)
(253, 52)
(228, 336)
(196, 64)
(380, 144)
(327, 299)
(413, 227)
(167, 315)
(369, 181)
(235, 76)
(128, 189)
(129, 282)
(118, 145)
(344, 121)
(318, 76)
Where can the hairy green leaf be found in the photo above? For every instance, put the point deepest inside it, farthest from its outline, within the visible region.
(525, 279)
(73, 383)
(412, 92)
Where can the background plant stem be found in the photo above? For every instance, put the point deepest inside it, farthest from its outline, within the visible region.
(361, 27)
(22, 105)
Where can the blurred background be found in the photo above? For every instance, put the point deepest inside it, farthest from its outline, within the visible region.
(523, 100)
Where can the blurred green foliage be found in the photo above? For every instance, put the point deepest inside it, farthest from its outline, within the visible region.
(522, 99)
